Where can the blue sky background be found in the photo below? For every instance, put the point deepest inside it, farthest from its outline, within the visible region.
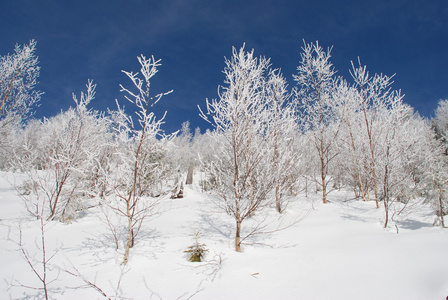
(81, 40)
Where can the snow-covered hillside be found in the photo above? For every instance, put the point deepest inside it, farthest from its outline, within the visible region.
(337, 250)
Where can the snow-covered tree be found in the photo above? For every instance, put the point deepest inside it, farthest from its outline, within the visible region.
(317, 105)
(18, 77)
(436, 164)
(193, 157)
(351, 159)
(440, 123)
(282, 130)
(240, 120)
(392, 162)
(375, 97)
(205, 147)
(183, 158)
(189, 158)
(435, 187)
(138, 160)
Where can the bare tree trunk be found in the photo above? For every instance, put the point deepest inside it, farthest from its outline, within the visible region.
(441, 209)
(237, 214)
(190, 174)
(277, 199)
(41, 275)
(322, 173)
(386, 198)
(324, 189)
(292, 191)
(132, 200)
(59, 186)
(372, 155)
(387, 214)
(276, 171)
(355, 190)
(358, 171)
(306, 187)
(238, 236)
(129, 234)
(367, 192)
(44, 260)
(375, 185)
(252, 197)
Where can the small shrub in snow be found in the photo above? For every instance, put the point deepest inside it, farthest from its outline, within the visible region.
(197, 251)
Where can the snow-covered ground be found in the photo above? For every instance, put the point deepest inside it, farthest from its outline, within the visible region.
(332, 251)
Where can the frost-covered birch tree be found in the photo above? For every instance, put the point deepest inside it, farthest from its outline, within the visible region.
(139, 149)
(18, 77)
(240, 120)
(281, 134)
(436, 179)
(375, 97)
(440, 123)
(436, 187)
(404, 158)
(352, 157)
(391, 161)
(316, 103)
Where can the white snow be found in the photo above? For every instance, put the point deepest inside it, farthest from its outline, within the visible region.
(337, 250)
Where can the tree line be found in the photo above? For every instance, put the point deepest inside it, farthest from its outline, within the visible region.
(269, 143)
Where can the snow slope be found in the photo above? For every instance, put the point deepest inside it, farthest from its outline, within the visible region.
(334, 251)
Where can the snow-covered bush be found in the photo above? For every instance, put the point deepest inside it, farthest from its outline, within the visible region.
(59, 157)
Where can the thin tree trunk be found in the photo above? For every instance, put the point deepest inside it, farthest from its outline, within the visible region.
(324, 189)
(375, 185)
(44, 260)
(277, 199)
(58, 196)
(367, 193)
(238, 236)
(372, 155)
(386, 209)
(355, 189)
(441, 209)
(252, 197)
(276, 171)
(322, 174)
(322, 150)
(358, 171)
(306, 187)
(386, 198)
(190, 174)
(236, 195)
(132, 200)
(129, 234)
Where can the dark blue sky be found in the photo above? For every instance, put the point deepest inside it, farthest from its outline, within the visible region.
(80, 40)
